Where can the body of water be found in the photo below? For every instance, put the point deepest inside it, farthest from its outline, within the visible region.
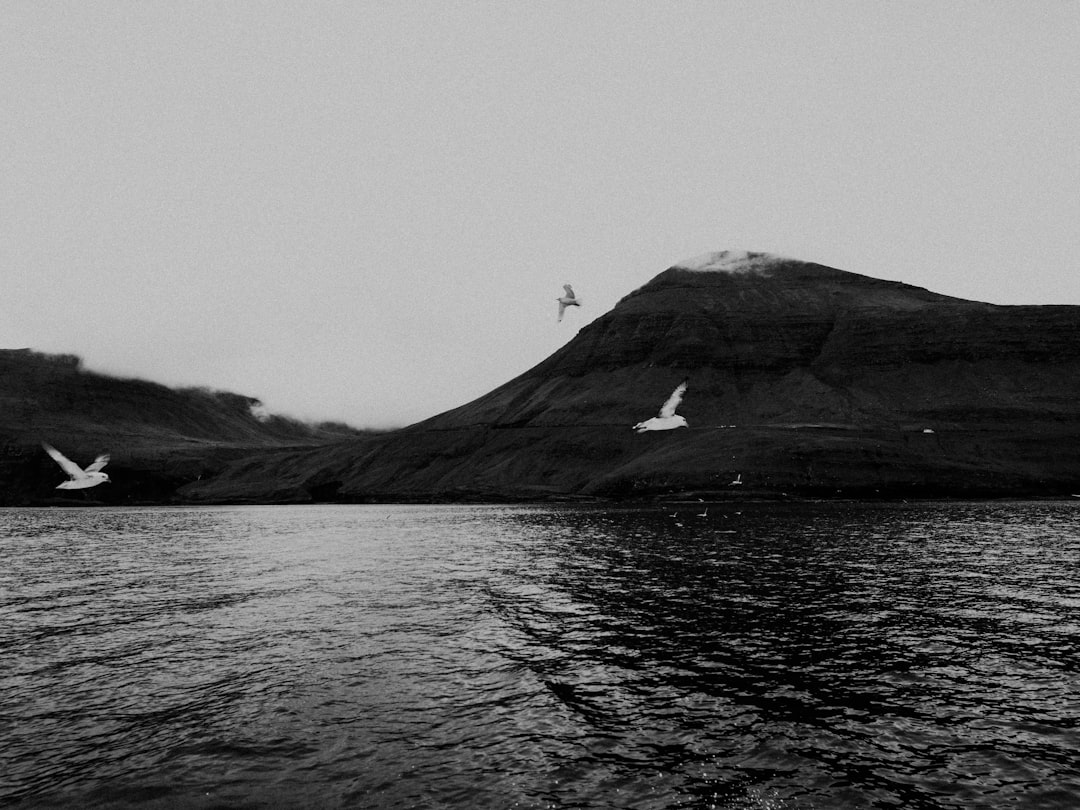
(823, 656)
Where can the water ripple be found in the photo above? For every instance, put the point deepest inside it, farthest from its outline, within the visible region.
(779, 656)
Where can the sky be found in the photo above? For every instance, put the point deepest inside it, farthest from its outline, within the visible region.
(364, 211)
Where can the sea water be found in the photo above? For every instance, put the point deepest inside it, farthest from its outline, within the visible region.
(752, 655)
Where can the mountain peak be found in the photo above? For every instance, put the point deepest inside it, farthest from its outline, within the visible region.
(736, 282)
(802, 377)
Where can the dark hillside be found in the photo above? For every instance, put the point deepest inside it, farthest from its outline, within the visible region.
(804, 378)
(159, 438)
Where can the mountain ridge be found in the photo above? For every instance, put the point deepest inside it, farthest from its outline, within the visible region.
(806, 380)
(817, 379)
(159, 437)
(682, 320)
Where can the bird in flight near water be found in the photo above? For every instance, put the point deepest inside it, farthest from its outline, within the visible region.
(78, 478)
(667, 419)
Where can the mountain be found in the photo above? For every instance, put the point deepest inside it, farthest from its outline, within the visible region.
(159, 438)
(804, 379)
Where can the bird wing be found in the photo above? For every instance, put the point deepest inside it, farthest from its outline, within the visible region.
(569, 290)
(673, 401)
(69, 466)
(562, 309)
(99, 462)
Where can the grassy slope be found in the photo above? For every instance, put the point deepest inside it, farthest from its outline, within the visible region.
(829, 377)
(159, 438)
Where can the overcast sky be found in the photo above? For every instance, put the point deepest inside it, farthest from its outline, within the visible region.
(365, 211)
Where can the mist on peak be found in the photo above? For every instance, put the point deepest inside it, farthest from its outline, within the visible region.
(730, 261)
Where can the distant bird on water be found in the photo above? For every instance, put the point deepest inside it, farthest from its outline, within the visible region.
(666, 419)
(568, 300)
(78, 478)
(737, 482)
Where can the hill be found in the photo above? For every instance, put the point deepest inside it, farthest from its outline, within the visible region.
(806, 379)
(159, 438)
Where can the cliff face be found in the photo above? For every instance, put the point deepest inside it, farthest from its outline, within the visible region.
(804, 378)
(159, 438)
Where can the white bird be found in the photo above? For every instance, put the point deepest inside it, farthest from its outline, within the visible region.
(78, 478)
(568, 300)
(737, 482)
(666, 419)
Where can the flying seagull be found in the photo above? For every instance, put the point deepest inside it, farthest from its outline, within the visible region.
(666, 419)
(568, 300)
(78, 477)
